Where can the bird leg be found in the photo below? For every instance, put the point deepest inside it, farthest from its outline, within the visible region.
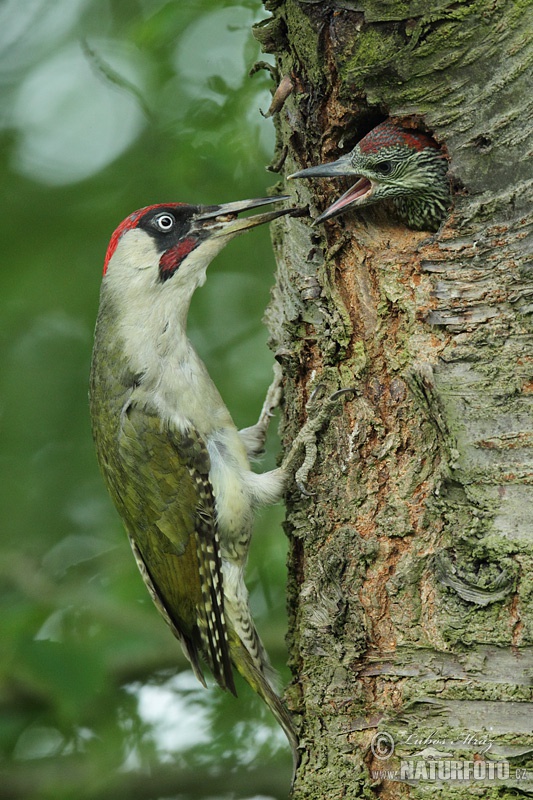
(254, 437)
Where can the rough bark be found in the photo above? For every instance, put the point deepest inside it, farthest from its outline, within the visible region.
(410, 586)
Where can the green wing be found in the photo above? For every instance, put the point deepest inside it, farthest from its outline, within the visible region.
(166, 500)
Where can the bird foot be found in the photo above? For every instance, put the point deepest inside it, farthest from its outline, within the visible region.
(307, 437)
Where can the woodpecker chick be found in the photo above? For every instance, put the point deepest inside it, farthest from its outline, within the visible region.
(392, 163)
(173, 460)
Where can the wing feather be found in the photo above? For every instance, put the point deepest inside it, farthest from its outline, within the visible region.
(169, 511)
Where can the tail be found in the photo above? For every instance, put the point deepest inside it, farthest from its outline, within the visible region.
(256, 676)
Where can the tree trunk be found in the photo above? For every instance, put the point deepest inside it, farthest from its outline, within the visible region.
(410, 590)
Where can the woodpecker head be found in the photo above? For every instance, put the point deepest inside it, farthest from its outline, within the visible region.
(156, 259)
(392, 163)
(175, 242)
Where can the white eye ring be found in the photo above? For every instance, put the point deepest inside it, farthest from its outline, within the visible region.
(165, 222)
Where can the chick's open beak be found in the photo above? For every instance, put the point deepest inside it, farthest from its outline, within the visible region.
(360, 192)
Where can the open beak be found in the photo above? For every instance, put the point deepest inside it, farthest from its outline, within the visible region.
(223, 220)
(359, 194)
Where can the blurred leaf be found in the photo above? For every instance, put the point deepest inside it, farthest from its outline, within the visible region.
(69, 674)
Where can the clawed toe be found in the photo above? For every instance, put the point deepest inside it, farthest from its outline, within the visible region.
(306, 439)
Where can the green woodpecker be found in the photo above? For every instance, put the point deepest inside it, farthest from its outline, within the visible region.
(391, 163)
(174, 462)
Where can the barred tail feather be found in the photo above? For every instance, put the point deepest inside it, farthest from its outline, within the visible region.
(259, 682)
(248, 653)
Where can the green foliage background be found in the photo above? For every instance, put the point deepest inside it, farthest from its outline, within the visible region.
(107, 106)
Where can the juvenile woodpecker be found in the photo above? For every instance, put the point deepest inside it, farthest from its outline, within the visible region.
(392, 163)
(174, 462)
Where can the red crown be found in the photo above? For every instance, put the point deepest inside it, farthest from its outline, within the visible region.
(387, 134)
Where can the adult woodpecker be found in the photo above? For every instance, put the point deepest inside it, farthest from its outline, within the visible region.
(174, 462)
(392, 163)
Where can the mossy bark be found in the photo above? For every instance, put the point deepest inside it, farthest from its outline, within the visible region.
(410, 571)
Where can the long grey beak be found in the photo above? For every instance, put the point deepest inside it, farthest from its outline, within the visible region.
(219, 214)
(343, 166)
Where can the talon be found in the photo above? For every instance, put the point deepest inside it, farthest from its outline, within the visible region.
(317, 392)
(303, 490)
(340, 392)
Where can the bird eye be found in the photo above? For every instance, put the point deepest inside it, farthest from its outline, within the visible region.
(164, 222)
(385, 167)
